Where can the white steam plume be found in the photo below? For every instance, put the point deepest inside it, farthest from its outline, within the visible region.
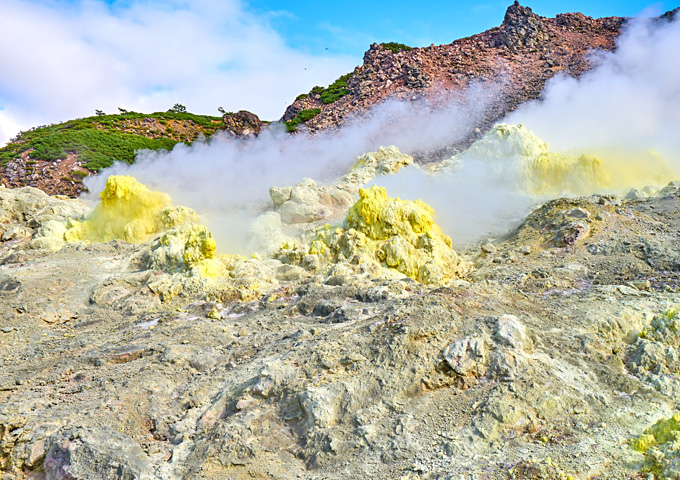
(628, 105)
(225, 180)
(630, 101)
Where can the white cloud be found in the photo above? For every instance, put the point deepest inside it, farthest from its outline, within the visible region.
(61, 61)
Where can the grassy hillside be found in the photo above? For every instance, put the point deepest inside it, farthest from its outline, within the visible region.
(103, 139)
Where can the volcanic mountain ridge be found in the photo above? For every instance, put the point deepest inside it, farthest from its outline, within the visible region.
(517, 58)
(514, 60)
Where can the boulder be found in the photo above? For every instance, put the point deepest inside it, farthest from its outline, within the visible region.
(242, 124)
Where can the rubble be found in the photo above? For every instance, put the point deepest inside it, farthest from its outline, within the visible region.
(517, 58)
(294, 371)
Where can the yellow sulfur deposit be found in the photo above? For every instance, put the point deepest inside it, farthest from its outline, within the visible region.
(664, 328)
(386, 161)
(557, 173)
(187, 247)
(539, 170)
(131, 212)
(396, 233)
(543, 172)
(128, 211)
(661, 445)
(665, 430)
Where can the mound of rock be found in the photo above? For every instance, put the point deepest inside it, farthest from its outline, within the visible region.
(300, 208)
(522, 28)
(655, 356)
(129, 211)
(661, 445)
(535, 168)
(393, 233)
(242, 124)
(24, 210)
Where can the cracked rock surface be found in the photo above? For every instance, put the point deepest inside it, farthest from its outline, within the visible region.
(545, 359)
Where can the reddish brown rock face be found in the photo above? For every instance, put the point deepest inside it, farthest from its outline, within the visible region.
(516, 58)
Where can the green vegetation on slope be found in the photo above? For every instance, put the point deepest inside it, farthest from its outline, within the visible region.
(396, 47)
(334, 91)
(103, 139)
(301, 117)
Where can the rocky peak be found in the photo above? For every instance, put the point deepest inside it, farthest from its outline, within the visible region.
(373, 52)
(522, 28)
(526, 49)
(518, 15)
(671, 14)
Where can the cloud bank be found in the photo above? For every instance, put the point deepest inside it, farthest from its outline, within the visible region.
(62, 60)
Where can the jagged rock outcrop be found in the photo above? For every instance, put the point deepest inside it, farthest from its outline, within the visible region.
(242, 124)
(522, 28)
(671, 14)
(514, 59)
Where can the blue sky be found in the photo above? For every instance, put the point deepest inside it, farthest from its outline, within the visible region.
(348, 27)
(64, 59)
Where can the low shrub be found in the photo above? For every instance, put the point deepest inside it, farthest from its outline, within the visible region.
(302, 117)
(396, 47)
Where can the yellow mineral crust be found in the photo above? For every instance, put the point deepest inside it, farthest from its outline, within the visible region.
(557, 173)
(541, 171)
(387, 160)
(664, 328)
(128, 211)
(187, 247)
(663, 431)
(131, 212)
(399, 234)
(661, 445)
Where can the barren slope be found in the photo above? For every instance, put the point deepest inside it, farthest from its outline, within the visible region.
(534, 355)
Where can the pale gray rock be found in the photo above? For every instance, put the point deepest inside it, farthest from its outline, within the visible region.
(467, 356)
(88, 453)
(279, 195)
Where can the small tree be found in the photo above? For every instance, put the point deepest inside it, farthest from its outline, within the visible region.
(178, 108)
(221, 110)
(122, 110)
(99, 113)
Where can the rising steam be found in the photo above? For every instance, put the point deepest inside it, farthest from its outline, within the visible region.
(227, 181)
(631, 101)
(625, 110)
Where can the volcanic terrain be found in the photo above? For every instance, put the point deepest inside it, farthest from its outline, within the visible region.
(358, 340)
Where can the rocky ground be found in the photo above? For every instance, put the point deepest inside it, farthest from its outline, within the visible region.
(533, 365)
(545, 354)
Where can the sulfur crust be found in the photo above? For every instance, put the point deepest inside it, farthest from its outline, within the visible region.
(661, 444)
(128, 211)
(543, 172)
(131, 212)
(395, 233)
